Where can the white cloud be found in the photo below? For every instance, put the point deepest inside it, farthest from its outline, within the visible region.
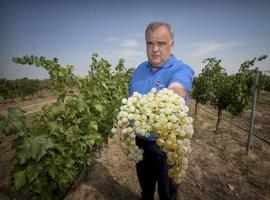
(129, 49)
(111, 39)
(129, 54)
(141, 34)
(132, 57)
(206, 47)
(129, 43)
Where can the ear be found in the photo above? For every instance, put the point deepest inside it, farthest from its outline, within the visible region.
(172, 45)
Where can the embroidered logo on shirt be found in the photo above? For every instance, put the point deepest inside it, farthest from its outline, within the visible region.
(158, 84)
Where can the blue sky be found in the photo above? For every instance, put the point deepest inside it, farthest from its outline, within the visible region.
(231, 30)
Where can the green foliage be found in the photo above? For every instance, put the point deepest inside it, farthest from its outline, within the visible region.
(216, 81)
(20, 88)
(265, 82)
(213, 85)
(199, 90)
(62, 77)
(57, 145)
(14, 123)
(242, 85)
(233, 92)
(219, 86)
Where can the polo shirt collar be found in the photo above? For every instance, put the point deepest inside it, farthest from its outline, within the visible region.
(168, 64)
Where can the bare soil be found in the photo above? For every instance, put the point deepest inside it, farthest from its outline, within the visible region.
(218, 167)
(30, 104)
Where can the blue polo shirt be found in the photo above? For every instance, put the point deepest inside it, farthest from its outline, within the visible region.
(145, 78)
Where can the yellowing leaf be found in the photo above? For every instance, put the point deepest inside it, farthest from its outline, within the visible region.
(19, 179)
(93, 125)
(104, 85)
(98, 107)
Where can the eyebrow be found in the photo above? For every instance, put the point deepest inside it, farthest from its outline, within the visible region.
(158, 42)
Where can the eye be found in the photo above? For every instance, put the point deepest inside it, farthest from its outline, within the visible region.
(161, 43)
(157, 43)
(150, 43)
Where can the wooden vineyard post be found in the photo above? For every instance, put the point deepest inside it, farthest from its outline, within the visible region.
(252, 114)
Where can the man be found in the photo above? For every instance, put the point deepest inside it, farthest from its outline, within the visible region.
(161, 70)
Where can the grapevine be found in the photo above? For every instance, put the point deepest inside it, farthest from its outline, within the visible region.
(223, 91)
(52, 150)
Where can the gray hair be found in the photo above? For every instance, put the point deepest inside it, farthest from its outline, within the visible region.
(152, 26)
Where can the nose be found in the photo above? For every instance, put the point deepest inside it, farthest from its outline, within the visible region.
(155, 47)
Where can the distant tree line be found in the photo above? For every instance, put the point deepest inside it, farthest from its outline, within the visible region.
(10, 89)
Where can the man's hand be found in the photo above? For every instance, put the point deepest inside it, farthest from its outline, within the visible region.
(178, 89)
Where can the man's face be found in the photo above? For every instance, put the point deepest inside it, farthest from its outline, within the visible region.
(159, 46)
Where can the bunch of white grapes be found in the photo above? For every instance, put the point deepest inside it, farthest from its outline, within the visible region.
(163, 113)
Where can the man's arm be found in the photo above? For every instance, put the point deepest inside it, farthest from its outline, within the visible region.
(181, 81)
(178, 89)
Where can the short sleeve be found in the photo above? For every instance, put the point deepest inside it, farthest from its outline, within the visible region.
(183, 75)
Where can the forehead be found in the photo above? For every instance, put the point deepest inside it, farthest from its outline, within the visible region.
(159, 33)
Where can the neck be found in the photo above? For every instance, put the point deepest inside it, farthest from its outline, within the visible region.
(154, 68)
